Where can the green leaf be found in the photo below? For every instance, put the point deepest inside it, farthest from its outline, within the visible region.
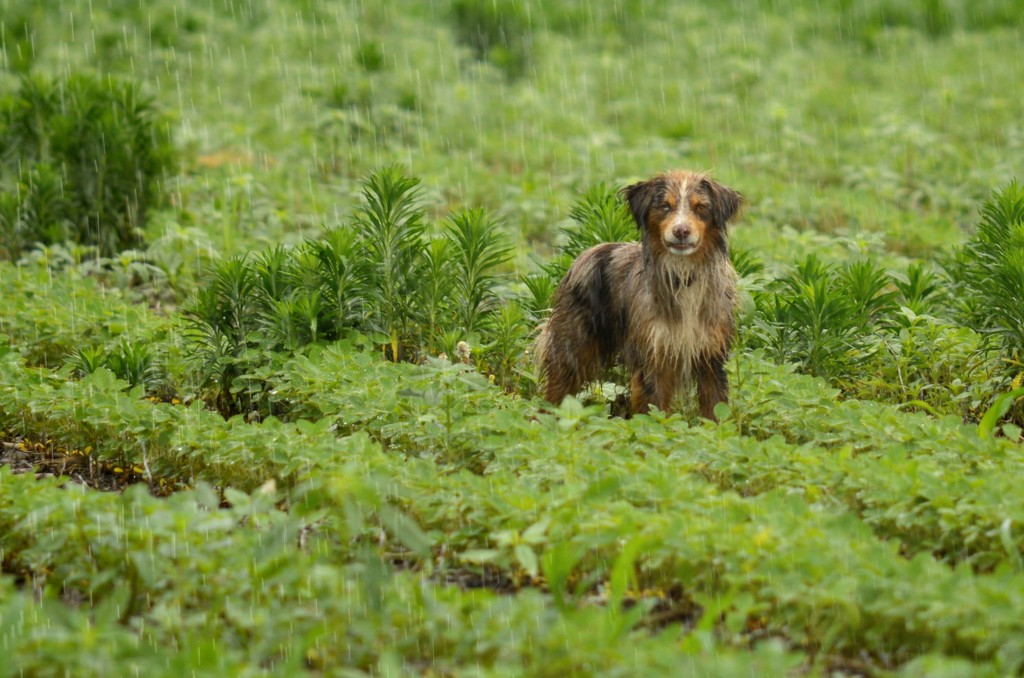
(527, 559)
(479, 556)
(314, 428)
(534, 534)
(557, 563)
(405, 530)
(998, 409)
(1010, 545)
(623, 571)
(600, 489)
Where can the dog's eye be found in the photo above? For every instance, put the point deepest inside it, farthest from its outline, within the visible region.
(665, 207)
(701, 210)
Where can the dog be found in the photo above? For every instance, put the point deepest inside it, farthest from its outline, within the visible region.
(663, 307)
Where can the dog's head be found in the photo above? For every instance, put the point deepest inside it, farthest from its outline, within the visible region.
(682, 212)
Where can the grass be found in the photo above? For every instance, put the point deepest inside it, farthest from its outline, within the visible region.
(316, 359)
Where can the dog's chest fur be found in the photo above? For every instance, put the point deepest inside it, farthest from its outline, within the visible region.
(679, 309)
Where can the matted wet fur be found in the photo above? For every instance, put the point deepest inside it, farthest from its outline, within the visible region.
(663, 307)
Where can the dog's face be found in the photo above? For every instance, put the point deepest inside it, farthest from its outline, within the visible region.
(683, 212)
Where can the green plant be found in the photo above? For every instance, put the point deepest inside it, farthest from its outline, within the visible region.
(342, 276)
(509, 330)
(45, 213)
(999, 408)
(989, 273)
(137, 363)
(477, 250)
(294, 313)
(598, 215)
(222, 320)
(84, 159)
(391, 228)
(920, 288)
(808, 320)
(379, 275)
(745, 262)
(442, 386)
(870, 288)
(438, 275)
(87, 359)
(370, 55)
(540, 293)
(50, 309)
(824, 318)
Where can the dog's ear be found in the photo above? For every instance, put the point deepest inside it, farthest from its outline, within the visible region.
(725, 202)
(641, 196)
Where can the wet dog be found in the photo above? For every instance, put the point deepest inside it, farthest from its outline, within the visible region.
(663, 307)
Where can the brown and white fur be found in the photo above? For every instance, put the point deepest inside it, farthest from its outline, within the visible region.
(663, 307)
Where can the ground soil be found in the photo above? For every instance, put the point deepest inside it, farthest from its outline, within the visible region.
(46, 460)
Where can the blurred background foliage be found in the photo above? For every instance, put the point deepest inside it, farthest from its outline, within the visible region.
(885, 121)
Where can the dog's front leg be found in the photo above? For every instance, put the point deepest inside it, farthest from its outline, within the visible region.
(712, 385)
(646, 389)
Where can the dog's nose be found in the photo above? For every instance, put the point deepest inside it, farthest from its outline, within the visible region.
(681, 233)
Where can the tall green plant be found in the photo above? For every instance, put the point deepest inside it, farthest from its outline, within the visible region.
(745, 262)
(391, 228)
(920, 288)
(138, 364)
(989, 273)
(478, 248)
(540, 292)
(599, 215)
(342, 274)
(871, 291)
(223, 324)
(825, 319)
(508, 331)
(437, 295)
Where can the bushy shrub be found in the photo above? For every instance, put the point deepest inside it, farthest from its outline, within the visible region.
(989, 274)
(825, 318)
(382, 275)
(81, 159)
(496, 30)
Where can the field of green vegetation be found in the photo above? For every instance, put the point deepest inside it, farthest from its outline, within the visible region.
(269, 277)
